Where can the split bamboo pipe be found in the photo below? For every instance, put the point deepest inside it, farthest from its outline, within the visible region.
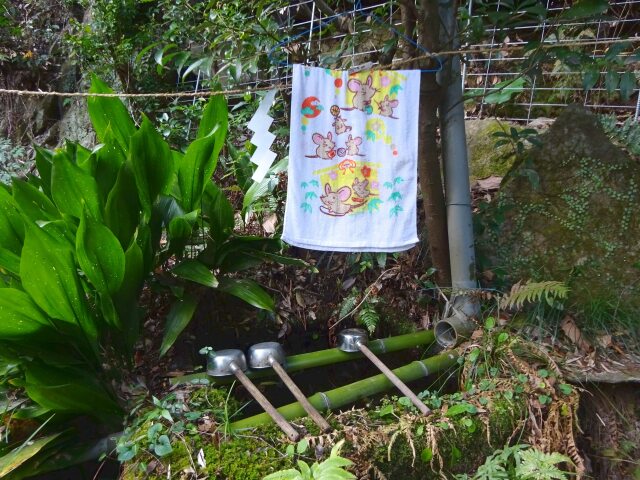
(322, 358)
(348, 394)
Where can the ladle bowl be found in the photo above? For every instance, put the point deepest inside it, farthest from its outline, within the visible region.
(219, 363)
(262, 355)
(350, 339)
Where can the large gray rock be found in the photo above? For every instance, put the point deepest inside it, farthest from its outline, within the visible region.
(569, 212)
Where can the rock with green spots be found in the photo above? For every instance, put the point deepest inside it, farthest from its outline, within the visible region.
(568, 211)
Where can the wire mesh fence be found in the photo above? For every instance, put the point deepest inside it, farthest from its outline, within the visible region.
(356, 37)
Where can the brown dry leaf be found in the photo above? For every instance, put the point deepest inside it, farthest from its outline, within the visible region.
(604, 341)
(574, 334)
(269, 224)
(300, 299)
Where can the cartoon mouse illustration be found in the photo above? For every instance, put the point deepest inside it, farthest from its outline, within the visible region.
(386, 107)
(340, 125)
(361, 188)
(364, 92)
(352, 146)
(326, 146)
(335, 202)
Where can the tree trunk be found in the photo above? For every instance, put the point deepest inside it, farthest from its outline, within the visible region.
(429, 171)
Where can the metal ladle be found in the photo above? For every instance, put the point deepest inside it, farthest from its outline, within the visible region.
(271, 355)
(355, 340)
(233, 362)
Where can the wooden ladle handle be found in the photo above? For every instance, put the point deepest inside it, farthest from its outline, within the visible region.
(394, 379)
(264, 403)
(310, 409)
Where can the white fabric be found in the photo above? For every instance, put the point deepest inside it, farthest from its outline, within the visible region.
(353, 160)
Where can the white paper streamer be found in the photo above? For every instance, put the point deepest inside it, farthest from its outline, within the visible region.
(262, 138)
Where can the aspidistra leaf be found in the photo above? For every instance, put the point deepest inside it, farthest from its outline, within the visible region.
(249, 291)
(122, 212)
(49, 276)
(178, 318)
(195, 170)
(70, 390)
(108, 112)
(11, 223)
(197, 272)
(100, 255)
(20, 315)
(219, 212)
(33, 203)
(152, 164)
(73, 189)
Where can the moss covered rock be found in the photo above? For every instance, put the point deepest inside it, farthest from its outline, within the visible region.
(567, 211)
(485, 159)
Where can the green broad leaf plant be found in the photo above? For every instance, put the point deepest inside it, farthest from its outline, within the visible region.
(77, 243)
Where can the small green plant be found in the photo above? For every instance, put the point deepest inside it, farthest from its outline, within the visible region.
(333, 468)
(517, 139)
(520, 462)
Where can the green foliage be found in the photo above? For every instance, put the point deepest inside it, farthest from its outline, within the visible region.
(516, 138)
(530, 292)
(12, 161)
(520, 462)
(626, 135)
(77, 244)
(331, 468)
(158, 427)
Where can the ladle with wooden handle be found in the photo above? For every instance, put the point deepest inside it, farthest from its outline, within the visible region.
(233, 362)
(271, 355)
(355, 340)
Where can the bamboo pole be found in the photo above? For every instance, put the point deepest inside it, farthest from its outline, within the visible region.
(322, 358)
(341, 396)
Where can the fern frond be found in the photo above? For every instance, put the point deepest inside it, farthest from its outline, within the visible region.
(533, 292)
(368, 317)
(348, 304)
(537, 465)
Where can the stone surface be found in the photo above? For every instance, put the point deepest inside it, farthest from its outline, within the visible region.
(567, 211)
(484, 158)
(75, 124)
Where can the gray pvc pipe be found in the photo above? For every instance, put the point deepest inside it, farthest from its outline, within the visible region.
(458, 196)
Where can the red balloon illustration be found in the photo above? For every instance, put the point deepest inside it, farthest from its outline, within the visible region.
(311, 107)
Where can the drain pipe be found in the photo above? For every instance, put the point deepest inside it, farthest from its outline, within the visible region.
(459, 325)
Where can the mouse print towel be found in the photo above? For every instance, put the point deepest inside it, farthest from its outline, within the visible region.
(353, 160)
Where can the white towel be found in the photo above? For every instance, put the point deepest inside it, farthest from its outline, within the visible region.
(353, 160)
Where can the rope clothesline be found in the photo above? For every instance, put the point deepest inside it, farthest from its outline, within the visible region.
(281, 86)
